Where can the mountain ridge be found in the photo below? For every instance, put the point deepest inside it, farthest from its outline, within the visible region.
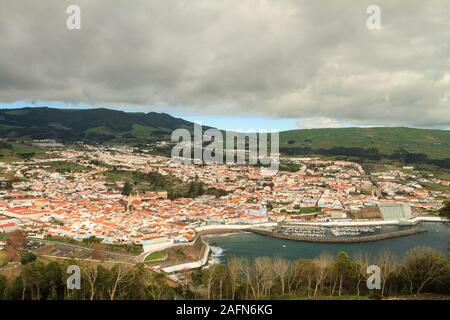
(102, 125)
(93, 125)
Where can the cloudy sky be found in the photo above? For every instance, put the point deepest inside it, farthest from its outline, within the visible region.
(280, 63)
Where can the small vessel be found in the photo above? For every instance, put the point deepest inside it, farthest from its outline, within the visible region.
(284, 246)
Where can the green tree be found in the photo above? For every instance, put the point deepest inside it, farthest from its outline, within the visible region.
(27, 257)
(343, 270)
(422, 268)
(53, 279)
(127, 189)
(195, 188)
(444, 212)
(33, 275)
(3, 286)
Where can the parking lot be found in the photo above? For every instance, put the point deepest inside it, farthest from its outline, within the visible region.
(77, 252)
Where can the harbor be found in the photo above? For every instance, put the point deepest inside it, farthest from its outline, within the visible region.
(252, 245)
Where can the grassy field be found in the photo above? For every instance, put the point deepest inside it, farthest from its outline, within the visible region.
(157, 256)
(419, 169)
(137, 179)
(435, 186)
(306, 210)
(64, 166)
(19, 152)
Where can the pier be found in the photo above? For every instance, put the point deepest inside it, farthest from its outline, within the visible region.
(339, 239)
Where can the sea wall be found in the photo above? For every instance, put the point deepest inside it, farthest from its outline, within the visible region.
(206, 250)
(369, 238)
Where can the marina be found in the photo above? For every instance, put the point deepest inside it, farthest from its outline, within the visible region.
(251, 245)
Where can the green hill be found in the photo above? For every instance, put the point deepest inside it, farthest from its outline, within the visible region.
(435, 144)
(111, 126)
(91, 125)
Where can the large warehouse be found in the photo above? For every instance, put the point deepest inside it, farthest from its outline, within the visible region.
(395, 211)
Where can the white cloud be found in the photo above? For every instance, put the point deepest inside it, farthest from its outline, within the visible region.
(311, 123)
(286, 58)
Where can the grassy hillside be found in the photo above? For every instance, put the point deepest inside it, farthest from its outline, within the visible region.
(434, 143)
(92, 125)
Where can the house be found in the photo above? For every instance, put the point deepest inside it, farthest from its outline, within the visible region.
(8, 227)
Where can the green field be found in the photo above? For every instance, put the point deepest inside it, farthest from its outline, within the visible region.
(64, 166)
(20, 151)
(435, 186)
(137, 179)
(305, 210)
(157, 256)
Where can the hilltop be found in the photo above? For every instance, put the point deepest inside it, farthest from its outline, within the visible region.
(369, 142)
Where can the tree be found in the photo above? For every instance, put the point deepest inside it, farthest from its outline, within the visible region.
(15, 241)
(248, 274)
(90, 274)
(343, 269)
(3, 285)
(210, 274)
(234, 267)
(281, 268)
(264, 276)
(33, 279)
(220, 272)
(127, 189)
(306, 271)
(195, 188)
(323, 264)
(360, 264)
(28, 257)
(444, 212)
(422, 267)
(158, 288)
(120, 276)
(136, 289)
(388, 265)
(53, 280)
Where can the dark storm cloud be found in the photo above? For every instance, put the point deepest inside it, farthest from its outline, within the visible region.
(297, 59)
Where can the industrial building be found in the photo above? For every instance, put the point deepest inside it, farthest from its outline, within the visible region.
(395, 211)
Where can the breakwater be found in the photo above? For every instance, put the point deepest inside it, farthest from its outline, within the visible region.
(337, 239)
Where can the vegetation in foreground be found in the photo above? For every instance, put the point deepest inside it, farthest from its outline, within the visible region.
(422, 271)
(444, 212)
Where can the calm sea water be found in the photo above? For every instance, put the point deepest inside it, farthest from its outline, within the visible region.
(251, 245)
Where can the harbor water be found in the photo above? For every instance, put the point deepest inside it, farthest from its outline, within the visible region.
(252, 245)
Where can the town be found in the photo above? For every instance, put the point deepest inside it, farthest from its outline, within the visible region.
(79, 193)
